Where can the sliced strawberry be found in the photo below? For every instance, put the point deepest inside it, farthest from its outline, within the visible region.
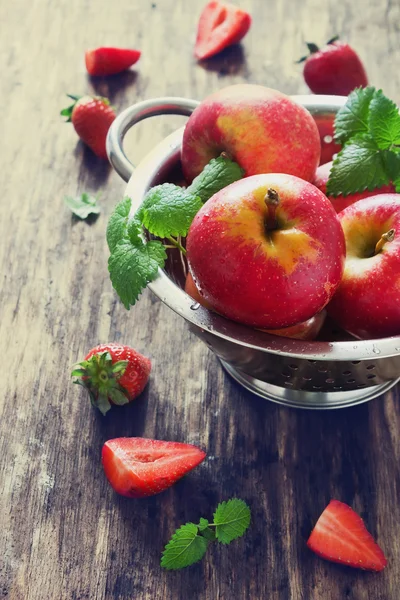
(138, 467)
(220, 25)
(341, 536)
(109, 61)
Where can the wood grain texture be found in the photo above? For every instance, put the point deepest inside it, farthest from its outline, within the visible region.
(65, 534)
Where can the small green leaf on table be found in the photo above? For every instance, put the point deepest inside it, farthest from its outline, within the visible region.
(82, 206)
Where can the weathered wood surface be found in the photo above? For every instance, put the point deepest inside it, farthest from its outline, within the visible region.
(64, 533)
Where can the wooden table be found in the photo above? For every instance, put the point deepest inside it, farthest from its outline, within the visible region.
(65, 534)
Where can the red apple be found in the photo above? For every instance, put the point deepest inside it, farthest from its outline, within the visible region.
(267, 251)
(367, 303)
(307, 330)
(325, 124)
(342, 202)
(261, 129)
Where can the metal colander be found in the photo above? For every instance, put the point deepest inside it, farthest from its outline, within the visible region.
(318, 374)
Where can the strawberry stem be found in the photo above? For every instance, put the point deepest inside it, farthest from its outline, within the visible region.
(334, 39)
(313, 48)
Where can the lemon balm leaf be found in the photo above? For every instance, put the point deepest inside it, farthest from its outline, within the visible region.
(168, 210)
(352, 118)
(231, 518)
(82, 206)
(384, 121)
(118, 222)
(185, 548)
(359, 166)
(133, 266)
(219, 173)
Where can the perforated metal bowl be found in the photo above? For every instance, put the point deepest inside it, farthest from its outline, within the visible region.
(317, 375)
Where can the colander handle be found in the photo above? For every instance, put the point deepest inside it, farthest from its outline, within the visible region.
(132, 115)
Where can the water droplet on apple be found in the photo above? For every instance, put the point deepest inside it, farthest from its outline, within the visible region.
(397, 349)
(376, 350)
(195, 306)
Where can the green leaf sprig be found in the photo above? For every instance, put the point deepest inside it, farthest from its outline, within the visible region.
(166, 212)
(82, 206)
(368, 127)
(189, 543)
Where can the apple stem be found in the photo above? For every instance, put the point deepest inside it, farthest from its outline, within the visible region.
(225, 155)
(272, 202)
(386, 237)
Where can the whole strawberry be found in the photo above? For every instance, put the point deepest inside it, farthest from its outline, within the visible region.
(91, 117)
(333, 69)
(112, 374)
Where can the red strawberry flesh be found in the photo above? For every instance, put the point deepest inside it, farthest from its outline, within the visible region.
(220, 25)
(139, 467)
(340, 536)
(110, 61)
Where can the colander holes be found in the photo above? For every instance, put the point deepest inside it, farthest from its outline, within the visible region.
(312, 362)
(294, 367)
(355, 362)
(351, 381)
(370, 367)
(329, 380)
(337, 387)
(307, 378)
(372, 376)
(286, 374)
(322, 370)
(346, 372)
(288, 384)
(362, 385)
(317, 387)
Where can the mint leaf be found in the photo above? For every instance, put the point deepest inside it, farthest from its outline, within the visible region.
(384, 121)
(185, 548)
(133, 266)
(117, 223)
(203, 524)
(352, 118)
(209, 534)
(82, 206)
(134, 230)
(391, 160)
(231, 518)
(219, 173)
(360, 165)
(168, 210)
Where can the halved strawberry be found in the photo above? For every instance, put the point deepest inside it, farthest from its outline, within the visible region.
(109, 61)
(139, 467)
(341, 536)
(220, 25)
